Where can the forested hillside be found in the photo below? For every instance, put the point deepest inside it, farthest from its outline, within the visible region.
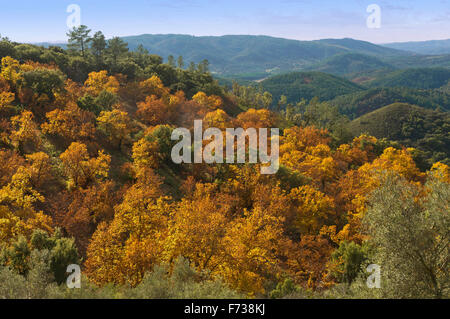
(360, 103)
(306, 85)
(413, 126)
(87, 178)
(418, 78)
(350, 63)
(254, 57)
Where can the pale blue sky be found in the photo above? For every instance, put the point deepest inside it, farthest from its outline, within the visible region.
(402, 20)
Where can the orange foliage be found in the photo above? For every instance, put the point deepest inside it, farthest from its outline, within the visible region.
(72, 123)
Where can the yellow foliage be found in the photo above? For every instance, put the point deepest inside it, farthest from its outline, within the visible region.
(132, 244)
(399, 161)
(20, 192)
(6, 98)
(100, 81)
(26, 129)
(12, 226)
(440, 171)
(80, 168)
(217, 118)
(212, 101)
(11, 70)
(145, 154)
(314, 208)
(154, 86)
(196, 230)
(252, 247)
(257, 119)
(116, 125)
(71, 123)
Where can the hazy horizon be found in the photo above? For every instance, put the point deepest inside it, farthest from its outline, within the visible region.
(403, 21)
(224, 35)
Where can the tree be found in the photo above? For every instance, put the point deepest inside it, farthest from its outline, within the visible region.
(10, 70)
(6, 98)
(217, 118)
(123, 251)
(72, 123)
(282, 103)
(257, 119)
(197, 229)
(153, 111)
(26, 131)
(154, 86)
(171, 61)
(85, 209)
(10, 161)
(180, 62)
(63, 252)
(6, 47)
(79, 39)
(19, 194)
(100, 81)
(116, 49)
(44, 81)
(41, 169)
(314, 209)
(59, 252)
(82, 169)
(307, 261)
(213, 102)
(347, 261)
(98, 47)
(411, 236)
(203, 66)
(253, 247)
(181, 280)
(192, 67)
(116, 125)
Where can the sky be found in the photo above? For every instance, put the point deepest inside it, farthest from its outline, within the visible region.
(400, 20)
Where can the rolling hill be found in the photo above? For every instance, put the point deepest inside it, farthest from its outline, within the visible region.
(424, 61)
(363, 47)
(413, 126)
(360, 103)
(350, 63)
(420, 78)
(237, 54)
(306, 85)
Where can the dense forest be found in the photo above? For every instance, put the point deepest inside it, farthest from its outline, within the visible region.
(307, 85)
(357, 104)
(86, 178)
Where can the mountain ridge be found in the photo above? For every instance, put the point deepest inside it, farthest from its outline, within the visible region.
(432, 47)
(250, 54)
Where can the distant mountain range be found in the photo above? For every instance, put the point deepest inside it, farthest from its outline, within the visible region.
(434, 47)
(256, 56)
(249, 57)
(253, 55)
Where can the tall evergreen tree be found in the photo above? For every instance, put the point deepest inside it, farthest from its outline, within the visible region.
(203, 67)
(117, 48)
(98, 46)
(79, 39)
(171, 61)
(180, 62)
